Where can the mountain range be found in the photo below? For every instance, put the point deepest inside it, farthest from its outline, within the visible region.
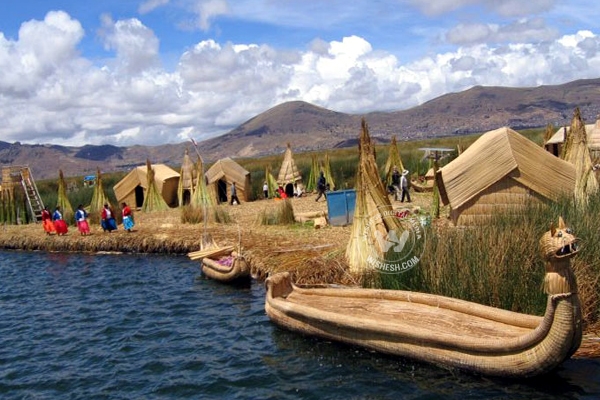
(308, 127)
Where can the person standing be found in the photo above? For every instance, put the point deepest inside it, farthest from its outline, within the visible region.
(108, 219)
(266, 190)
(234, 196)
(321, 186)
(396, 182)
(127, 217)
(47, 222)
(404, 186)
(81, 218)
(59, 224)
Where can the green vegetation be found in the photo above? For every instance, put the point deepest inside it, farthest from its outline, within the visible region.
(500, 264)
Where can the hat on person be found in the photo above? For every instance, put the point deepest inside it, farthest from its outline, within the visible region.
(405, 172)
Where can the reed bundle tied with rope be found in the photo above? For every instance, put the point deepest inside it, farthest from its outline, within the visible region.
(373, 211)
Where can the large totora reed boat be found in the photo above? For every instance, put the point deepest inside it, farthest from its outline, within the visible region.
(441, 330)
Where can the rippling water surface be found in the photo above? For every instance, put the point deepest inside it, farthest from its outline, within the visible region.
(149, 327)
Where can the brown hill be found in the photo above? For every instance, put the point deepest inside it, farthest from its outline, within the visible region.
(308, 127)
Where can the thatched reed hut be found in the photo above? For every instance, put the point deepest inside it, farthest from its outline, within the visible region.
(501, 172)
(222, 174)
(132, 189)
(554, 145)
(288, 173)
(187, 180)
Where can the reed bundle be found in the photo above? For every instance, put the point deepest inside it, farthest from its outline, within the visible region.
(392, 161)
(271, 182)
(153, 200)
(187, 178)
(211, 252)
(313, 176)
(576, 151)
(373, 211)
(63, 199)
(99, 198)
(327, 172)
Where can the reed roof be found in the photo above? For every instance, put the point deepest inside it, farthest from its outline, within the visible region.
(138, 177)
(559, 135)
(288, 173)
(500, 153)
(227, 168)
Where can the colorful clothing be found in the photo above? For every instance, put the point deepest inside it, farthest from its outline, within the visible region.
(47, 222)
(59, 224)
(108, 220)
(127, 219)
(82, 224)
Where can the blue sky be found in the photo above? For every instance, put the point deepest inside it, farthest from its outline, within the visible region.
(160, 71)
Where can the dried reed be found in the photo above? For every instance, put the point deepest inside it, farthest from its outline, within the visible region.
(393, 160)
(153, 201)
(576, 151)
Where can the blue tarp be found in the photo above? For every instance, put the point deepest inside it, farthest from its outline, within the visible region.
(89, 178)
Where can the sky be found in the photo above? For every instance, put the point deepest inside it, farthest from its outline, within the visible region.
(150, 72)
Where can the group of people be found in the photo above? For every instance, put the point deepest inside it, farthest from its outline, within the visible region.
(55, 223)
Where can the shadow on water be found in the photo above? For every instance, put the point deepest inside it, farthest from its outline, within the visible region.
(394, 377)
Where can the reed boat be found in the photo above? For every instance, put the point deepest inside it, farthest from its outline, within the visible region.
(422, 187)
(441, 330)
(229, 269)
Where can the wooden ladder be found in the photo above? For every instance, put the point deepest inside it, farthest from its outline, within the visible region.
(34, 201)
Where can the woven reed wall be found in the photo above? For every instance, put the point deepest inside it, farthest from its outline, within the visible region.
(506, 195)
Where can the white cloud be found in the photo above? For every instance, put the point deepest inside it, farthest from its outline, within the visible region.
(50, 93)
(520, 31)
(136, 46)
(206, 10)
(150, 5)
(507, 8)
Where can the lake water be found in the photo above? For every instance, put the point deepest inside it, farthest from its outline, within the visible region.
(151, 327)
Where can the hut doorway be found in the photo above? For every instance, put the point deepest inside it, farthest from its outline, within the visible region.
(222, 190)
(186, 197)
(289, 190)
(139, 196)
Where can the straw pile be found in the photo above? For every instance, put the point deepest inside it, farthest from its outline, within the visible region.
(576, 151)
(393, 160)
(373, 212)
(153, 200)
(63, 200)
(327, 172)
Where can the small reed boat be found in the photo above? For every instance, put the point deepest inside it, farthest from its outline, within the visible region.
(229, 269)
(441, 330)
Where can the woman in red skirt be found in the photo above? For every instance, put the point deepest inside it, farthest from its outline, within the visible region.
(81, 218)
(59, 223)
(47, 222)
